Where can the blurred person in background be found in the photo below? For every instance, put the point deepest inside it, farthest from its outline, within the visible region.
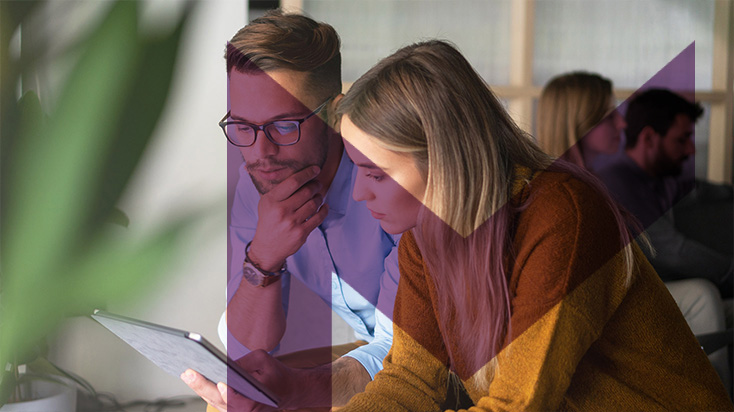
(647, 180)
(578, 120)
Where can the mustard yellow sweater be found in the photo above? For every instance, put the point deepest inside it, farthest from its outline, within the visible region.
(581, 340)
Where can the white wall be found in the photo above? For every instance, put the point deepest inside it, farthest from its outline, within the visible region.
(184, 167)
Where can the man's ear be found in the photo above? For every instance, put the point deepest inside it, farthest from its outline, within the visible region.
(334, 119)
(647, 137)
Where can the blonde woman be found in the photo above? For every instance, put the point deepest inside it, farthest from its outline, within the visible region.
(577, 119)
(519, 279)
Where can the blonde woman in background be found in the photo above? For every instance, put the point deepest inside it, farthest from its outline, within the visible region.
(577, 120)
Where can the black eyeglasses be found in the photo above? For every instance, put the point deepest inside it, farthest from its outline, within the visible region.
(280, 132)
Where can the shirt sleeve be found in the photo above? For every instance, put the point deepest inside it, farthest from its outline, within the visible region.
(679, 257)
(243, 223)
(708, 191)
(371, 356)
(682, 252)
(415, 374)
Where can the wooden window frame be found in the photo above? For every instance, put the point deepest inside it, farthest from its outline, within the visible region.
(521, 92)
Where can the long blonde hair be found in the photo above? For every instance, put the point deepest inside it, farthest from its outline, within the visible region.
(427, 100)
(570, 105)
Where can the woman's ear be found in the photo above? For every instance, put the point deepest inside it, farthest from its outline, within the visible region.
(334, 119)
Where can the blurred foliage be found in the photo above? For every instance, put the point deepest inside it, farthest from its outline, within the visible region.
(63, 172)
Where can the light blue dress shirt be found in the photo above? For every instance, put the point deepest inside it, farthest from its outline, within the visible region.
(348, 261)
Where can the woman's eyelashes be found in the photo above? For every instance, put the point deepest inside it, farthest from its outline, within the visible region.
(374, 176)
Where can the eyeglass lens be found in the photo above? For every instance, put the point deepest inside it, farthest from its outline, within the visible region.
(281, 132)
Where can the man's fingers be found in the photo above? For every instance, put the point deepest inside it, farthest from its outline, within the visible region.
(239, 403)
(287, 187)
(303, 195)
(308, 209)
(205, 389)
(222, 391)
(316, 219)
(220, 394)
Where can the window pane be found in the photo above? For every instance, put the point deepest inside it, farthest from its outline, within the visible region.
(625, 40)
(373, 29)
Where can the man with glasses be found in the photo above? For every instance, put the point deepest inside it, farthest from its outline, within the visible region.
(293, 217)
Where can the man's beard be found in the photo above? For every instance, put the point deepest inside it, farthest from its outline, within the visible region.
(264, 187)
(668, 167)
(294, 166)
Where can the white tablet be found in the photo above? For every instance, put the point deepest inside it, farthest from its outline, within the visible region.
(175, 351)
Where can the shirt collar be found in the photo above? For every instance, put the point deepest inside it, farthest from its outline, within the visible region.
(637, 170)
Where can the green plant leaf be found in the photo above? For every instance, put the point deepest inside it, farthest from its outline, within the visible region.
(66, 176)
(16, 116)
(49, 176)
(144, 103)
(57, 161)
(118, 271)
(7, 385)
(111, 269)
(118, 217)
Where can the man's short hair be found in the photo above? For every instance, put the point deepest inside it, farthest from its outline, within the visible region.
(658, 109)
(289, 41)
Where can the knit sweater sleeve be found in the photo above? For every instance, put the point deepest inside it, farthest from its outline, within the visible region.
(567, 281)
(414, 375)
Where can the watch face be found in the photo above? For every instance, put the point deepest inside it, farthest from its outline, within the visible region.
(253, 276)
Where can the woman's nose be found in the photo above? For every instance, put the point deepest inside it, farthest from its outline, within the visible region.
(619, 121)
(360, 191)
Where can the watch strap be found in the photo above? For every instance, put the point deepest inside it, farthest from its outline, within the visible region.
(257, 278)
(268, 277)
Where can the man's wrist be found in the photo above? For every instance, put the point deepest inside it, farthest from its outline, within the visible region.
(256, 275)
(262, 264)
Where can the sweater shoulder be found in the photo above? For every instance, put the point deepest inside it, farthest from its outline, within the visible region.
(563, 196)
(564, 232)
